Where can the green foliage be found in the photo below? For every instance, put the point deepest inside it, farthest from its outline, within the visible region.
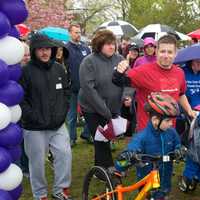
(182, 15)
(92, 14)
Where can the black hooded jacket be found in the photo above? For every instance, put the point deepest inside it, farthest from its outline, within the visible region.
(46, 93)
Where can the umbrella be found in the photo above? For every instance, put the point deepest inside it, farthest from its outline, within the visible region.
(188, 53)
(56, 33)
(183, 36)
(157, 30)
(137, 41)
(119, 28)
(195, 34)
(23, 30)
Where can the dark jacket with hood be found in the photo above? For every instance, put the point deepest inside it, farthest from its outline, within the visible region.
(46, 93)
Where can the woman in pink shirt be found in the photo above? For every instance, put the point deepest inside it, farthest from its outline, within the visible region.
(149, 52)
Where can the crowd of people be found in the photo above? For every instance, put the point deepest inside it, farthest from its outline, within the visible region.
(105, 80)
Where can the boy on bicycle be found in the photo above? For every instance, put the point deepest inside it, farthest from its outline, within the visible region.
(158, 138)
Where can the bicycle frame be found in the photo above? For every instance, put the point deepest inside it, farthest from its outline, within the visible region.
(149, 182)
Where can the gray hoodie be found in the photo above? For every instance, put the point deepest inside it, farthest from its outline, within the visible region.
(97, 93)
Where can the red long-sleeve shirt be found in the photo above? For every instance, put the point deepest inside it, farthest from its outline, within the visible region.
(152, 78)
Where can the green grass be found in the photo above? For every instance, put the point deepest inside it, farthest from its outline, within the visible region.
(83, 160)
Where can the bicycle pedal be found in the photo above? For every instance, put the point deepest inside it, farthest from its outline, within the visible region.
(118, 174)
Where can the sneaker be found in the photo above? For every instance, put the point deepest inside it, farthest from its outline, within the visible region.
(88, 139)
(186, 185)
(65, 195)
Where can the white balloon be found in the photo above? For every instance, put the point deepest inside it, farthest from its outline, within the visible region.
(5, 116)
(11, 178)
(11, 50)
(16, 113)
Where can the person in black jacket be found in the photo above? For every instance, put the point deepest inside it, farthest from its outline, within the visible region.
(44, 108)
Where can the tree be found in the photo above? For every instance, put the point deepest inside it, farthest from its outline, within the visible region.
(90, 14)
(93, 13)
(48, 13)
(123, 7)
(179, 14)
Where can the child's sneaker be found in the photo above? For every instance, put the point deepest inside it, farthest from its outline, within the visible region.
(186, 185)
(64, 195)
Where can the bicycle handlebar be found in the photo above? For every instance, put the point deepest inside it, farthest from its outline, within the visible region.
(155, 158)
(132, 158)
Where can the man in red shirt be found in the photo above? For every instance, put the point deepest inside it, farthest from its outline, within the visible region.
(161, 76)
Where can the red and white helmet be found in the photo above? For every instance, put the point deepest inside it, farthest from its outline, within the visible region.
(163, 104)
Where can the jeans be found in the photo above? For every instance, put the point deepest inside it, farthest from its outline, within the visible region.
(192, 169)
(72, 119)
(37, 145)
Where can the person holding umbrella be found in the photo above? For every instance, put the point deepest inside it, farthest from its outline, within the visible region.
(191, 173)
(149, 52)
(191, 59)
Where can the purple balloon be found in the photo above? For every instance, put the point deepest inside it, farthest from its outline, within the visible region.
(15, 153)
(15, 10)
(4, 73)
(14, 32)
(15, 72)
(5, 195)
(5, 159)
(11, 93)
(11, 135)
(4, 25)
(16, 193)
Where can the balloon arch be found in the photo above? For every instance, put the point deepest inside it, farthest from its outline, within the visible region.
(12, 12)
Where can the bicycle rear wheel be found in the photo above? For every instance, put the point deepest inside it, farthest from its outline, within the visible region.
(98, 182)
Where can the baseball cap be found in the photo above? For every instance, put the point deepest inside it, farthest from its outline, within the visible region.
(133, 46)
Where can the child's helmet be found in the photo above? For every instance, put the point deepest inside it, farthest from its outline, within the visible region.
(163, 105)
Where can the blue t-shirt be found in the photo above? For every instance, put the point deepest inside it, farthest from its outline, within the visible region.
(193, 86)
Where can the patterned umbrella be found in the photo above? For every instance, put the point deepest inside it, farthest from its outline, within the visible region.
(157, 30)
(119, 28)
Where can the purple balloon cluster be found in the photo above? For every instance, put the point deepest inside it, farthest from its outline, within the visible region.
(12, 12)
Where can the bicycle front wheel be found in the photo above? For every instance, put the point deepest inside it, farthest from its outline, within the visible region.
(98, 185)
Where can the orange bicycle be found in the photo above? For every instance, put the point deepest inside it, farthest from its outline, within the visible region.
(100, 184)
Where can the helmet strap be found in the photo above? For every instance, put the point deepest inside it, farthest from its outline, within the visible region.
(161, 119)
